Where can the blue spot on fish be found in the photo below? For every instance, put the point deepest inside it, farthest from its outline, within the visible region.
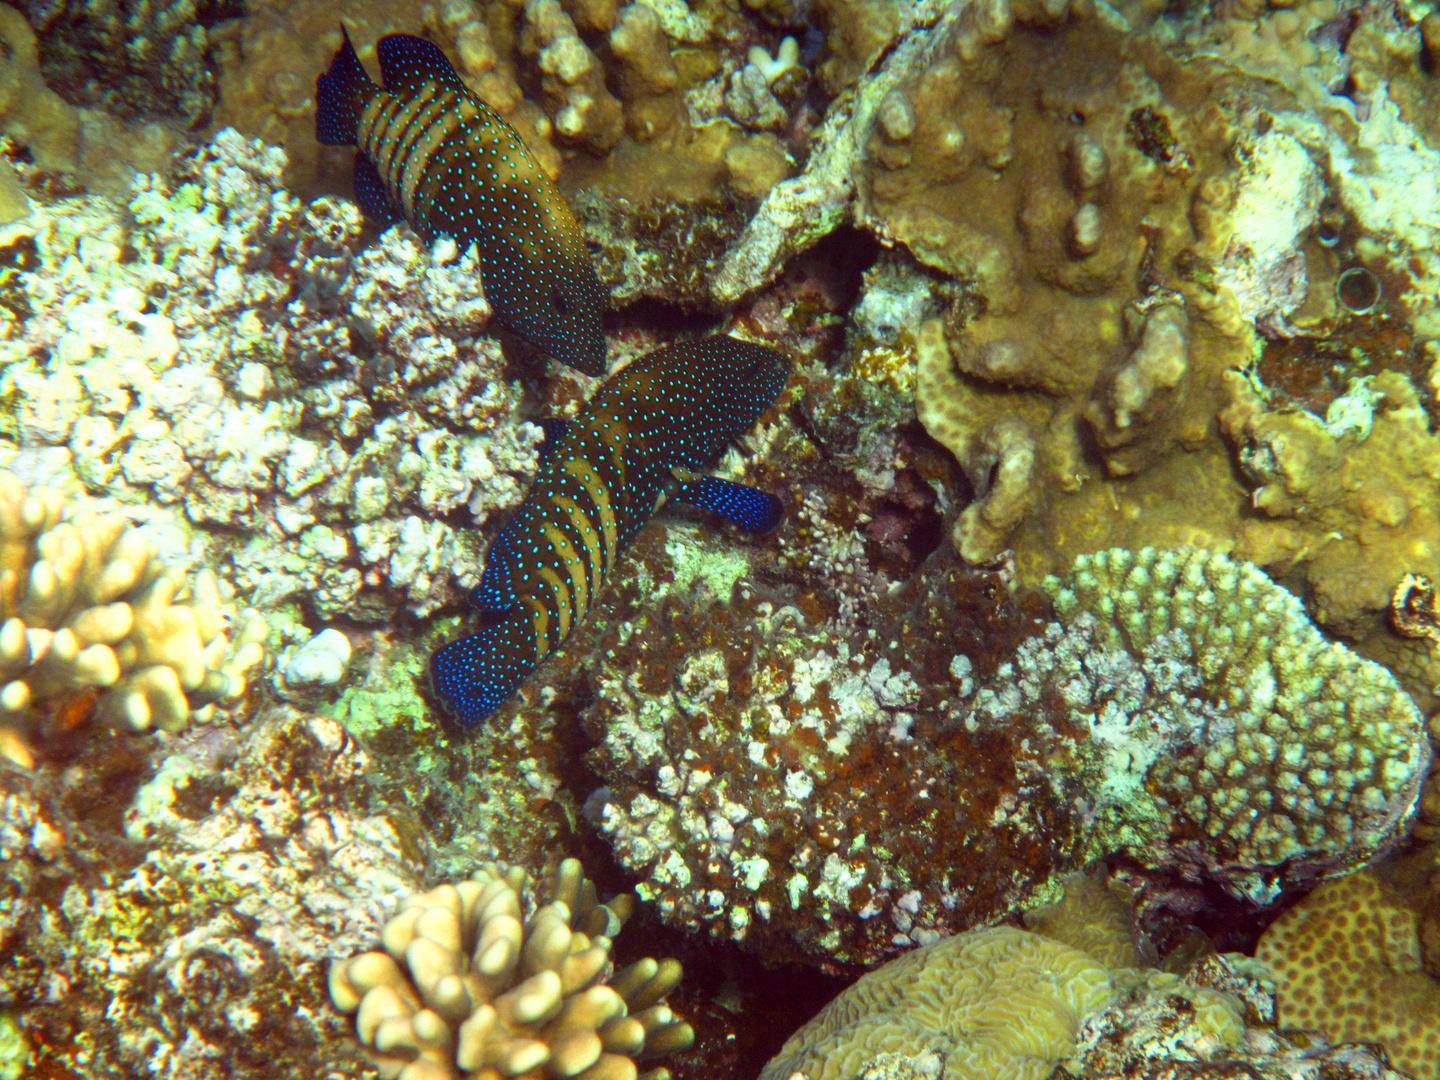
(432, 152)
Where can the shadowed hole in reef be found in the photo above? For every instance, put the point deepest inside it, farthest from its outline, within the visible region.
(836, 265)
(741, 1009)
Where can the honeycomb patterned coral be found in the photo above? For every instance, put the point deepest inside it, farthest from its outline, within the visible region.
(1347, 963)
(1281, 742)
(84, 605)
(998, 1004)
(464, 987)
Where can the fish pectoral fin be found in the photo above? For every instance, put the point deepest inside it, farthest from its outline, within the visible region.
(407, 63)
(750, 508)
(370, 193)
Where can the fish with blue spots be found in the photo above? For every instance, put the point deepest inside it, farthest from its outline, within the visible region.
(431, 151)
(641, 441)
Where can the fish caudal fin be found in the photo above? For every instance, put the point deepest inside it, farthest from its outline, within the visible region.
(340, 97)
(475, 675)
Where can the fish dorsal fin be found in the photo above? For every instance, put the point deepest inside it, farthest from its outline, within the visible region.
(407, 63)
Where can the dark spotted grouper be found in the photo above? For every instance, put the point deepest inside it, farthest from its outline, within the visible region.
(431, 150)
(637, 442)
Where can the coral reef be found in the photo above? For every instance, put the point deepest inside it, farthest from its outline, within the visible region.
(1001, 1003)
(148, 60)
(87, 613)
(188, 912)
(1183, 711)
(479, 990)
(1281, 748)
(234, 354)
(82, 144)
(1347, 962)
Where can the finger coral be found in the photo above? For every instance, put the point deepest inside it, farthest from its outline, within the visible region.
(469, 985)
(1347, 963)
(84, 605)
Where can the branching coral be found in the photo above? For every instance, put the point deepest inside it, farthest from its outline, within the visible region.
(85, 606)
(465, 986)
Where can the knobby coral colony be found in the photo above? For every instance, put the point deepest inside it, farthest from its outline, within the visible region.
(434, 153)
(636, 444)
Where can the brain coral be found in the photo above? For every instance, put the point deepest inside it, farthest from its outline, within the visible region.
(1347, 963)
(483, 994)
(85, 607)
(995, 1004)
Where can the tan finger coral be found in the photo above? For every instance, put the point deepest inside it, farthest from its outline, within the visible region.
(85, 606)
(467, 986)
(1347, 963)
(999, 1003)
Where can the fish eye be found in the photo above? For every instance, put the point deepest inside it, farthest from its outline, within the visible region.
(560, 302)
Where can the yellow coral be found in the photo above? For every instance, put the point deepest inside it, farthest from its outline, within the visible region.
(85, 605)
(465, 985)
(1347, 963)
(1005, 1004)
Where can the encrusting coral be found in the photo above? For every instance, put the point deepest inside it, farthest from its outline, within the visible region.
(469, 984)
(85, 607)
(1347, 963)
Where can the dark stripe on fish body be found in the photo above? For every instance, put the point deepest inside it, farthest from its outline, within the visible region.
(670, 411)
(453, 166)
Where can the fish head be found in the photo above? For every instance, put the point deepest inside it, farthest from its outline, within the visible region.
(553, 302)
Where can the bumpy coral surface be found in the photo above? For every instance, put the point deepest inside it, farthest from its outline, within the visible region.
(481, 990)
(1215, 706)
(227, 350)
(197, 902)
(87, 612)
(1347, 962)
(996, 1004)
(148, 59)
(775, 781)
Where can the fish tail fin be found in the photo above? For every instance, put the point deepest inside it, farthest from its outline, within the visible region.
(475, 675)
(340, 97)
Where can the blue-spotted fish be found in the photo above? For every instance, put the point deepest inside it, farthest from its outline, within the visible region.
(638, 442)
(430, 150)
